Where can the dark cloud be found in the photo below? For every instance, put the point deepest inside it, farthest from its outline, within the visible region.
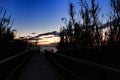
(55, 33)
(33, 33)
(48, 33)
(34, 38)
(48, 37)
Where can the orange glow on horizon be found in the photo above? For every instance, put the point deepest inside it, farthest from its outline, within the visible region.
(44, 40)
(49, 40)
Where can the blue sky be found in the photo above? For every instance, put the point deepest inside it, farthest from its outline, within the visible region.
(41, 16)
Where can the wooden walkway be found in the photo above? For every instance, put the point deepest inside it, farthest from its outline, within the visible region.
(38, 68)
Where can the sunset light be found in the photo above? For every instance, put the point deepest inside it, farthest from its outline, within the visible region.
(48, 40)
(59, 39)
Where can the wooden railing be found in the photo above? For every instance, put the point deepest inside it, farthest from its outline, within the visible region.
(11, 64)
(82, 69)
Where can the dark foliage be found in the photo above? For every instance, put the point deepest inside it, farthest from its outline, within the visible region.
(8, 45)
(85, 39)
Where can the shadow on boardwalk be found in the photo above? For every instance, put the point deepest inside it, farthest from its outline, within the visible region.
(38, 68)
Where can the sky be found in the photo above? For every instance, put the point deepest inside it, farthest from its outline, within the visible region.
(41, 16)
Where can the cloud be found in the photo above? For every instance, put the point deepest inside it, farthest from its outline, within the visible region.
(48, 33)
(55, 33)
(34, 38)
(48, 37)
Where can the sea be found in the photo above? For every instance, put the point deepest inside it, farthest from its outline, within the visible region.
(49, 48)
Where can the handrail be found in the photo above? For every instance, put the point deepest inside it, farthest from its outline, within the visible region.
(16, 68)
(89, 63)
(7, 59)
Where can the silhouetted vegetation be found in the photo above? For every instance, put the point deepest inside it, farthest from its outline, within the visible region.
(11, 56)
(84, 33)
(8, 45)
(85, 38)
